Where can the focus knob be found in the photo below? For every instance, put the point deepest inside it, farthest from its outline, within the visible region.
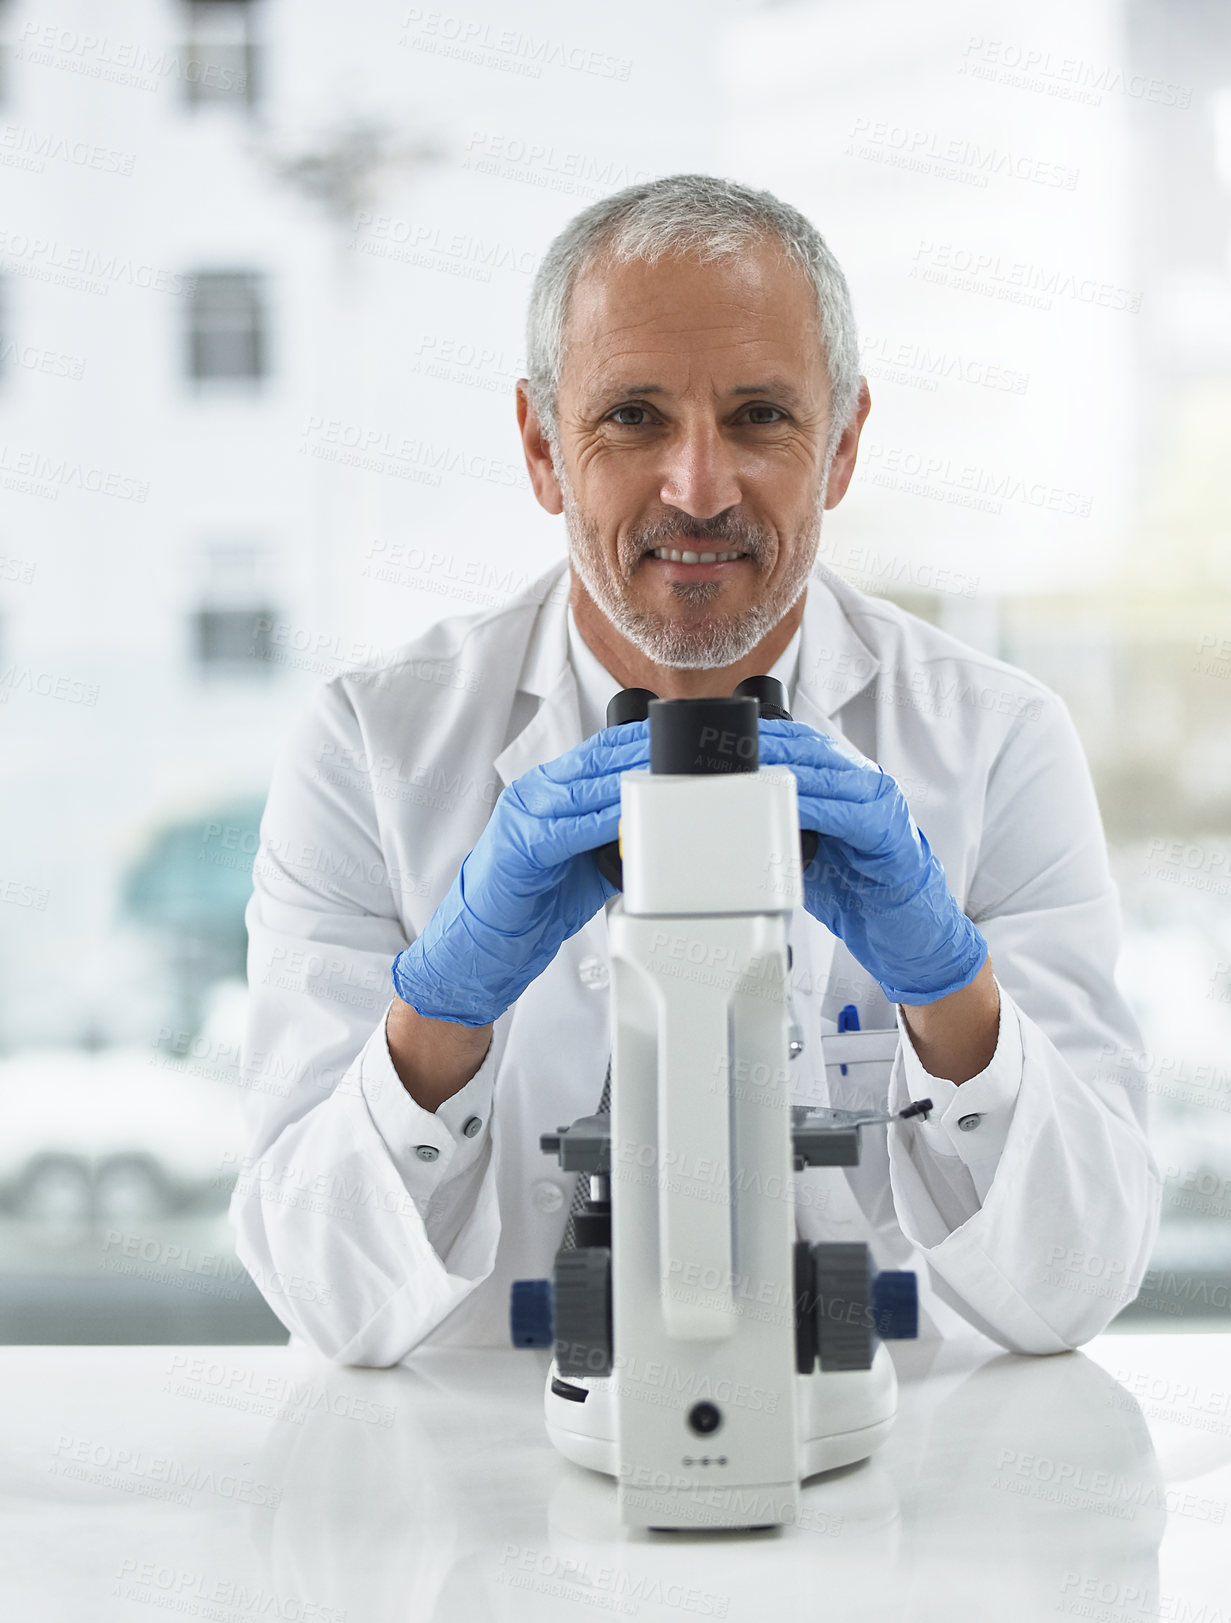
(895, 1306)
(530, 1315)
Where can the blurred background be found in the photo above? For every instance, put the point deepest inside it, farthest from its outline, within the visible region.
(263, 274)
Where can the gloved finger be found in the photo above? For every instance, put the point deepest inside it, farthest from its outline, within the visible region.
(874, 828)
(549, 841)
(541, 796)
(831, 748)
(853, 784)
(808, 748)
(615, 749)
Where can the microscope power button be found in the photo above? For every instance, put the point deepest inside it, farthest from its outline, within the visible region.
(705, 1418)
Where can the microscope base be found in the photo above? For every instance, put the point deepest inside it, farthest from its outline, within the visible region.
(842, 1417)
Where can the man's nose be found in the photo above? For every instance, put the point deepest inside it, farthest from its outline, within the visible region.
(701, 476)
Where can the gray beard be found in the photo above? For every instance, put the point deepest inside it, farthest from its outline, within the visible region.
(716, 641)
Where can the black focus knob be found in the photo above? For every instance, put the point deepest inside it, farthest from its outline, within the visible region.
(703, 737)
(769, 693)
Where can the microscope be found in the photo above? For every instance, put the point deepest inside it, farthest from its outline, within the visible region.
(703, 1355)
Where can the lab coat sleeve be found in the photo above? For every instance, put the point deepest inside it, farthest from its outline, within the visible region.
(361, 1240)
(1038, 1216)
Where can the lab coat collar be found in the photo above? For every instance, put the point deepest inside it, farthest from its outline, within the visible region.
(835, 664)
(546, 674)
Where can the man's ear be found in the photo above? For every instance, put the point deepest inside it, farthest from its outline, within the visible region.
(844, 457)
(537, 453)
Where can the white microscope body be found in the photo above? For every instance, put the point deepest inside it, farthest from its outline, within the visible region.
(687, 1348)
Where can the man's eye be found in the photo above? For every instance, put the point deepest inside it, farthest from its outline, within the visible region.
(639, 416)
(755, 419)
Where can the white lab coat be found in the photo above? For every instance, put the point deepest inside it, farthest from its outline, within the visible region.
(373, 1226)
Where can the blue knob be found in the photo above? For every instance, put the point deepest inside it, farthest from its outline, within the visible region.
(530, 1313)
(895, 1306)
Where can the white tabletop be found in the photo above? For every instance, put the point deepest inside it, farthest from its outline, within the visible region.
(242, 1483)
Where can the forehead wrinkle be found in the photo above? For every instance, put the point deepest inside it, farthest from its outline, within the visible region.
(685, 322)
(631, 370)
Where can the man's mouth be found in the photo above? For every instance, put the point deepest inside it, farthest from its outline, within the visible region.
(679, 555)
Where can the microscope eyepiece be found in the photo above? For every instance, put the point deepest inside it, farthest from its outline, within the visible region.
(703, 737)
(629, 704)
(769, 693)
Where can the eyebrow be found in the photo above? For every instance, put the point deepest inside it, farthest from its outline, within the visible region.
(772, 386)
(777, 386)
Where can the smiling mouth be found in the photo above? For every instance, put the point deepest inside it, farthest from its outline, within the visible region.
(676, 555)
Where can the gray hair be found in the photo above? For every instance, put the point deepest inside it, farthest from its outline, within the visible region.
(698, 215)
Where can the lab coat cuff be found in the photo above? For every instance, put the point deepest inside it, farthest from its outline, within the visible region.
(970, 1122)
(428, 1147)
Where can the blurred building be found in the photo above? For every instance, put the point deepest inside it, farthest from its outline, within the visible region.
(262, 290)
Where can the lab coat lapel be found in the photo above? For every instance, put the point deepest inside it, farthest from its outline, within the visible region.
(554, 727)
(835, 664)
(547, 675)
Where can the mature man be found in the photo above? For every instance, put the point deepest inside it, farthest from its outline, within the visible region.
(693, 407)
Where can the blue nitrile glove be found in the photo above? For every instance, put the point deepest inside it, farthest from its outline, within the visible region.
(874, 881)
(530, 883)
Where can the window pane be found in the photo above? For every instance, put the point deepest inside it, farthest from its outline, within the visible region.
(234, 638)
(227, 333)
(220, 54)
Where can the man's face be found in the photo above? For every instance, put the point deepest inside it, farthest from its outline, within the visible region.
(693, 416)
